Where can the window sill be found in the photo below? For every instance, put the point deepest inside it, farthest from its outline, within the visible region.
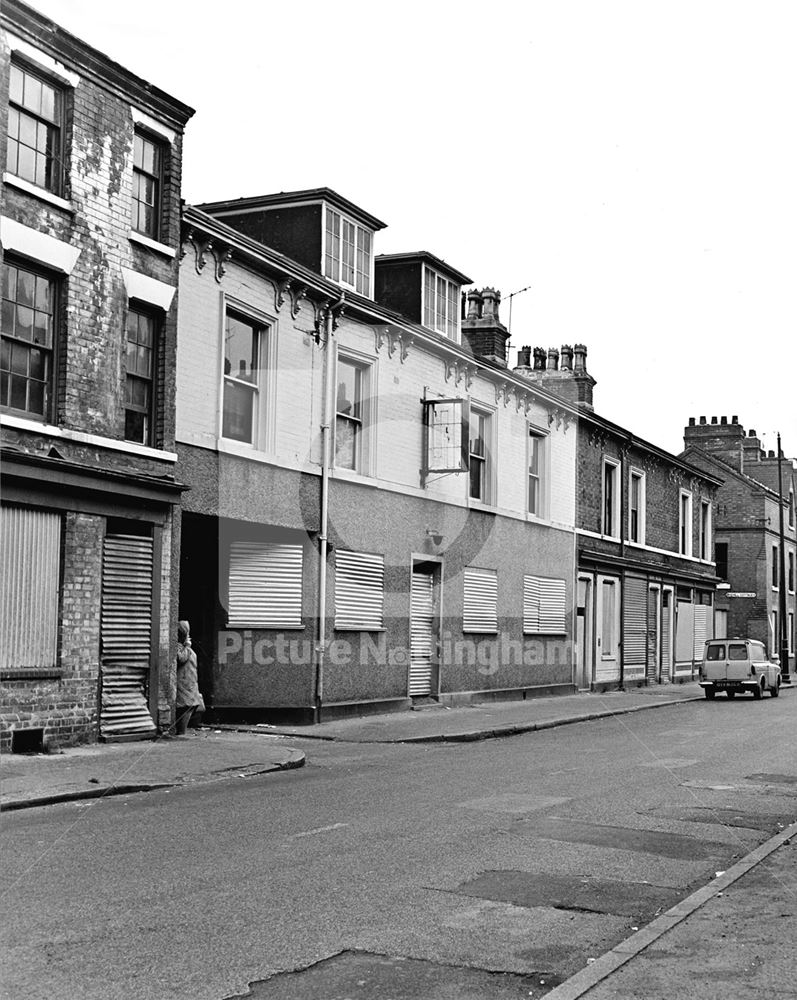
(266, 628)
(38, 192)
(480, 631)
(356, 628)
(31, 674)
(151, 244)
(52, 430)
(553, 632)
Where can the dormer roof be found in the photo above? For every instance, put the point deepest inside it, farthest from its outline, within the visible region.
(286, 199)
(425, 257)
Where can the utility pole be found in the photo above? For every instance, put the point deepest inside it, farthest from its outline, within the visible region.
(784, 642)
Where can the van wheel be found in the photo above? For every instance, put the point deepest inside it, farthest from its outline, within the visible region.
(710, 692)
(759, 691)
(731, 694)
(775, 691)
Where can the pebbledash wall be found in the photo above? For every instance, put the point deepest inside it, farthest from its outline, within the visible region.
(77, 468)
(269, 492)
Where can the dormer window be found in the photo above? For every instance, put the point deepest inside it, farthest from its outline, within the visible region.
(440, 304)
(347, 252)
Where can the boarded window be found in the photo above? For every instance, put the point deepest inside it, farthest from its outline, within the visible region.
(480, 603)
(359, 591)
(265, 585)
(30, 541)
(543, 605)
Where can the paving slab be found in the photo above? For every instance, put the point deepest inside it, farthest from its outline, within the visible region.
(486, 720)
(104, 769)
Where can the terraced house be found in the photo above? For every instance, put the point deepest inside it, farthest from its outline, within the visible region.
(645, 561)
(90, 230)
(379, 511)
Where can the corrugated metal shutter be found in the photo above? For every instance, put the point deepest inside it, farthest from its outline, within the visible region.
(635, 622)
(29, 571)
(652, 671)
(684, 632)
(126, 632)
(421, 634)
(543, 605)
(359, 590)
(480, 601)
(265, 585)
(666, 629)
(702, 612)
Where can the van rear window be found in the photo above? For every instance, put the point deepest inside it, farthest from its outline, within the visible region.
(715, 653)
(737, 651)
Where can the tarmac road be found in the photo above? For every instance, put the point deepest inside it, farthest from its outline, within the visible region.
(489, 869)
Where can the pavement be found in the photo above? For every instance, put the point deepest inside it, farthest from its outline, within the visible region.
(734, 938)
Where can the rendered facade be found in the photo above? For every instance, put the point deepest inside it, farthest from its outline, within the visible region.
(415, 566)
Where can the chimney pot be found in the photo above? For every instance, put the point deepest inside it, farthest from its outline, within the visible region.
(752, 434)
(713, 420)
(723, 420)
(580, 358)
(770, 454)
(524, 357)
(567, 358)
(734, 419)
(539, 359)
(702, 420)
(553, 359)
(691, 421)
(474, 304)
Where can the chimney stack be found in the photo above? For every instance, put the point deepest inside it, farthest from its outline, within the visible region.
(562, 372)
(482, 330)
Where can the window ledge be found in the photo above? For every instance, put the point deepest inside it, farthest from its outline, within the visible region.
(38, 192)
(151, 244)
(31, 674)
(52, 430)
(480, 631)
(552, 632)
(356, 628)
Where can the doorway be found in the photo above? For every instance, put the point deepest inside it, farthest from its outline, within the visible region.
(584, 658)
(424, 615)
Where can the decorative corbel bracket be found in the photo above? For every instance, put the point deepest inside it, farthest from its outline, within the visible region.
(457, 371)
(676, 475)
(296, 300)
(395, 340)
(223, 257)
(281, 289)
(596, 437)
(522, 402)
(188, 240)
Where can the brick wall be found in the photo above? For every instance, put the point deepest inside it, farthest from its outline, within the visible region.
(66, 708)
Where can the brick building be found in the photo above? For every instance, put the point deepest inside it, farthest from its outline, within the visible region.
(747, 530)
(90, 228)
(645, 570)
(361, 529)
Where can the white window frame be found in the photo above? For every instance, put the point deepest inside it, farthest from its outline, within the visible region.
(359, 591)
(705, 531)
(638, 475)
(445, 320)
(775, 574)
(610, 463)
(544, 610)
(490, 478)
(685, 523)
(365, 460)
(480, 600)
(332, 258)
(265, 405)
(267, 589)
(543, 473)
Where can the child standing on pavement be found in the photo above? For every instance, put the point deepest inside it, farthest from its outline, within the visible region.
(189, 699)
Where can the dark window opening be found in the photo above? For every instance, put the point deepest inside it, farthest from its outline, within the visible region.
(27, 741)
(721, 559)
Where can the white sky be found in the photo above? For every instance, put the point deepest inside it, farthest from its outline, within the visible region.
(634, 162)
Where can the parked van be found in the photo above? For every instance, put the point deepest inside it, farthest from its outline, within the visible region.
(732, 665)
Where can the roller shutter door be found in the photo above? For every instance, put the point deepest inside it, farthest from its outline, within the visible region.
(126, 636)
(421, 634)
(543, 605)
(635, 622)
(702, 615)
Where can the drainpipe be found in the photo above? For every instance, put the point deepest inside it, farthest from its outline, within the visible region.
(623, 453)
(326, 461)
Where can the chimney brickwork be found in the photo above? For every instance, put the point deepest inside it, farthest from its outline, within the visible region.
(563, 372)
(482, 330)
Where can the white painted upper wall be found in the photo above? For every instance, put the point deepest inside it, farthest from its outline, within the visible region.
(290, 418)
